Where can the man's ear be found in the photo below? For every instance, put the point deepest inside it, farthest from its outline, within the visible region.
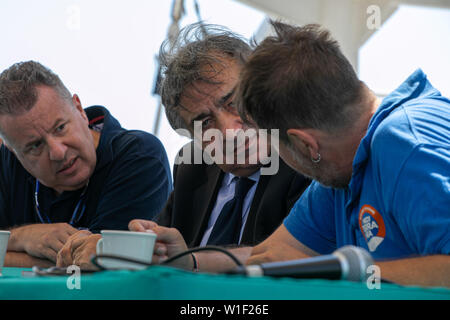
(77, 103)
(304, 141)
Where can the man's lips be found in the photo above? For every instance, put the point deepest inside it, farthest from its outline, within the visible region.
(66, 168)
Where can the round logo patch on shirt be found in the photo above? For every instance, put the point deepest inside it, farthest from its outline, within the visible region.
(372, 226)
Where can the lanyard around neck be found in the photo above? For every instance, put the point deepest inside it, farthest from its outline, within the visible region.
(77, 212)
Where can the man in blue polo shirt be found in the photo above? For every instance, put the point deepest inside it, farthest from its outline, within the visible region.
(63, 168)
(396, 204)
(381, 169)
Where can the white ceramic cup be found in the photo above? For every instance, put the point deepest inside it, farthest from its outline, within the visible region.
(4, 238)
(129, 244)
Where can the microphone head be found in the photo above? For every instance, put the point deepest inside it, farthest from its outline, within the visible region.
(354, 262)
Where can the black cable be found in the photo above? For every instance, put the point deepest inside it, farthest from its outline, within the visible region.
(94, 259)
(206, 248)
(114, 257)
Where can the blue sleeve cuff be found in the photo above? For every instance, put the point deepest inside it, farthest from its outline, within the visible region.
(308, 237)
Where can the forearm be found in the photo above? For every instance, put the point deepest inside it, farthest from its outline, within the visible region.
(23, 260)
(421, 271)
(15, 242)
(218, 262)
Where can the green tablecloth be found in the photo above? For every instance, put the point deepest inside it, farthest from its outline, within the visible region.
(164, 283)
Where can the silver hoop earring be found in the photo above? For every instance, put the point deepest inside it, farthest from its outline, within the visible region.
(318, 158)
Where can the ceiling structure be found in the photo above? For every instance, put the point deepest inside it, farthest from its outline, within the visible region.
(351, 22)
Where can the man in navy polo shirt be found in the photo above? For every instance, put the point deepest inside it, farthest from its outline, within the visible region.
(64, 168)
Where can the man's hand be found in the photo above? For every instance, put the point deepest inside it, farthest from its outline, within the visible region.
(78, 250)
(40, 240)
(280, 246)
(169, 242)
(263, 254)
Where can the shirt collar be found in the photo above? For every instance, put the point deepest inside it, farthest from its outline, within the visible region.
(415, 86)
(111, 127)
(229, 177)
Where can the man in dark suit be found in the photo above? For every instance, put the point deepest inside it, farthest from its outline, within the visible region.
(198, 83)
(195, 194)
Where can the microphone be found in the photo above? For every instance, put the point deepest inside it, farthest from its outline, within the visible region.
(346, 263)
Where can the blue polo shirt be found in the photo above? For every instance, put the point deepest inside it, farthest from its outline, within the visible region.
(398, 201)
(131, 180)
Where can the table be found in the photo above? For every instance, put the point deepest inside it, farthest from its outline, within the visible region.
(165, 283)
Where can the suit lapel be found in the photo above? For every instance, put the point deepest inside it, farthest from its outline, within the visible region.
(248, 233)
(266, 202)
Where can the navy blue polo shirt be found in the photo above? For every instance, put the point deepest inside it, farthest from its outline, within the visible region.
(131, 180)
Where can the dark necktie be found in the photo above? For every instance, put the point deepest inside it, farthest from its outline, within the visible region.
(227, 228)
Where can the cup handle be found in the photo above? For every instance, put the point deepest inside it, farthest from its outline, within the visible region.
(99, 248)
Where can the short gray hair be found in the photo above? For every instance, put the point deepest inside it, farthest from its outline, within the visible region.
(18, 83)
(181, 62)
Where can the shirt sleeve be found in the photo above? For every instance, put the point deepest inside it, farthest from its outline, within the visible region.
(421, 202)
(137, 187)
(312, 220)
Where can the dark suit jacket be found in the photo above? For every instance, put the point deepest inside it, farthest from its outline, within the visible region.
(195, 191)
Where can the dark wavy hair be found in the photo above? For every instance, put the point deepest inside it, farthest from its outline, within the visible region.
(196, 46)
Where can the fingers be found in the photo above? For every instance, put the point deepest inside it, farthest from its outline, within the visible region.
(65, 256)
(140, 225)
(258, 259)
(70, 230)
(63, 231)
(166, 239)
(54, 238)
(85, 249)
(170, 236)
(65, 245)
(48, 253)
(58, 244)
(160, 253)
(81, 237)
(169, 243)
(265, 252)
(48, 247)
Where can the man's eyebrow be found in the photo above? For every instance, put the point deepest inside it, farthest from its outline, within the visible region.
(226, 97)
(200, 116)
(34, 140)
(58, 122)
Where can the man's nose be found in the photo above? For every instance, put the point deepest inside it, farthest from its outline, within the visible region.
(56, 149)
(230, 121)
